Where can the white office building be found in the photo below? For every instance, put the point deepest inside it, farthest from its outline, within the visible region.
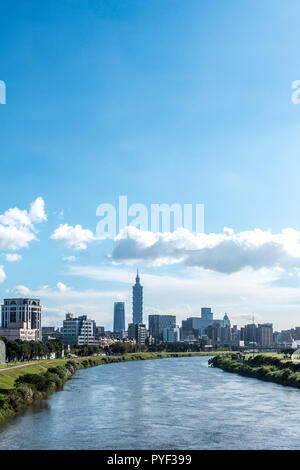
(78, 330)
(171, 335)
(22, 314)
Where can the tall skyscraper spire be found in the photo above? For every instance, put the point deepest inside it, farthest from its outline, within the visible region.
(137, 300)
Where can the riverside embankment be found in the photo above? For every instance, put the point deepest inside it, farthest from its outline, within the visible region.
(176, 403)
(22, 386)
(262, 366)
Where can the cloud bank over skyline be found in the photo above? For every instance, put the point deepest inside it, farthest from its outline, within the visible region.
(226, 252)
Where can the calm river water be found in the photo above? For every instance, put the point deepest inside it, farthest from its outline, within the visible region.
(160, 404)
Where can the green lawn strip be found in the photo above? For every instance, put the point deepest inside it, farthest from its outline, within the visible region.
(18, 363)
(7, 379)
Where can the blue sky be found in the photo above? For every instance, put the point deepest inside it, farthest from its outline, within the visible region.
(162, 101)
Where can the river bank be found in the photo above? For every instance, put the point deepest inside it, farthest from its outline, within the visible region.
(20, 387)
(262, 367)
(169, 404)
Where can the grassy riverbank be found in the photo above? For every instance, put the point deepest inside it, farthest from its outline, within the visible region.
(270, 368)
(20, 387)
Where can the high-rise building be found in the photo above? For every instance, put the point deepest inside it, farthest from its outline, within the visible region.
(50, 333)
(197, 326)
(23, 316)
(225, 334)
(119, 317)
(214, 332)
(100, 331)
(137, 331)
(137, 301)
(48, 330)
(235, 333)
(206, 313)
(131, 331)
(250, 333)
(265, 334)
(226, 321)
(171, 335)
(78, 330)
(285, 335)
(158, 322)
(297, 332)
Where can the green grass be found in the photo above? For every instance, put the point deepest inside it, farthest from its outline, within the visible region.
(18, 363)
(7, 379)
(11, 364)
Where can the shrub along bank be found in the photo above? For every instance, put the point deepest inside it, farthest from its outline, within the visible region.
(18, 388)
(35, 386)
(263, 367)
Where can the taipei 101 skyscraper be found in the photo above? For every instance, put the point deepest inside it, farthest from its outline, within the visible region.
(137, 301)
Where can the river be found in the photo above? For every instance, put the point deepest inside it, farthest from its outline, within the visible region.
(171, 403)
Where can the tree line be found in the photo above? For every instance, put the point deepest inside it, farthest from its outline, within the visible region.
(121, 347)
(19, 350)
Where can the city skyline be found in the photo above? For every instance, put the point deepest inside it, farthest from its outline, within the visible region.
(21, 318)
(15, 310)
(181, 314)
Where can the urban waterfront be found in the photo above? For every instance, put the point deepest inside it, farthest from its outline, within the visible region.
(177, 403)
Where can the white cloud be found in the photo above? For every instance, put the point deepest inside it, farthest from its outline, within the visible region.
(226, 252)
(14, 238)
(13, 257)
(2, 274)
(15, 217)
(62, 292)
(75, 238)
(104, 273)
(22, 291)
(17, 226)
(69, 258)
(61, 286)
(37, 211)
